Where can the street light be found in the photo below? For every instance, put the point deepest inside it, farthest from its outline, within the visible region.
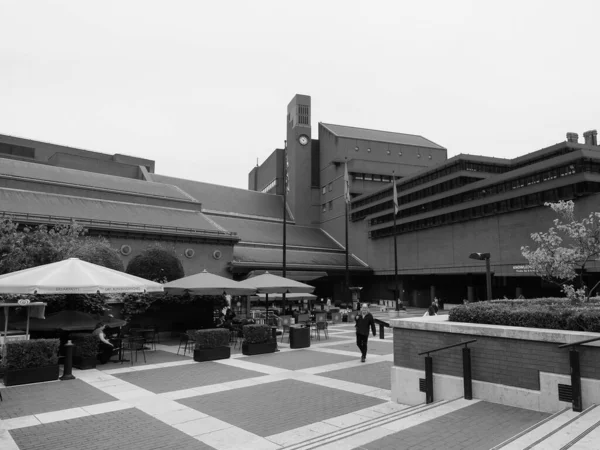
(488, 275)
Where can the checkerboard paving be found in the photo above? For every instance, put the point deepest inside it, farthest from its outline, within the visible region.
(300, 359)
(376, 374)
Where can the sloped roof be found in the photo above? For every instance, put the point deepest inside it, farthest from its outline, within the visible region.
(228, 199)
(103, 213)
(257, 231)
(255, 257)
(34, 171)
(380, 136)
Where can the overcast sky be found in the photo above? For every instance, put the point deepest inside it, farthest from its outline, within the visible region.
(202, 87)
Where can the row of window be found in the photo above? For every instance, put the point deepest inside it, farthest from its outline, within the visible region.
(326, 206)
(360, 177)
(17, 150)
(269, 187)
(582, 165)
(514, 204)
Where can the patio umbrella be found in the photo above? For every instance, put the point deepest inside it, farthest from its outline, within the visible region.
(279, 296)
(68, 320)
(73, 276)
(273, 284)
(205, 283)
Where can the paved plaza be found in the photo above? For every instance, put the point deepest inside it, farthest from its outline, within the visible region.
(321, 397)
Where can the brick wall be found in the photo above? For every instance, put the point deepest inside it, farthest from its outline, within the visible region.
(511, 362)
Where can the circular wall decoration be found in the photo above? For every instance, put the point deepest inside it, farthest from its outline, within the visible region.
(126, 250)
(189, 253)
(217, 254)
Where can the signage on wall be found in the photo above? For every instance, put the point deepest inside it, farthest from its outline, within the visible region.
(523, 268)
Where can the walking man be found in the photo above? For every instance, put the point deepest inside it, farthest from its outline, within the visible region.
(364, 320)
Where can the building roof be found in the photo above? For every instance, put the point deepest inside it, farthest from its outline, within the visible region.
(265, 258)
(227, 199)
(256, 231)
(380, 136)
(40, 207)
(80, 178)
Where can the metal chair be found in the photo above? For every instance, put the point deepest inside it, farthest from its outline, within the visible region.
(321, 326)
(149, 339)
(133, 344)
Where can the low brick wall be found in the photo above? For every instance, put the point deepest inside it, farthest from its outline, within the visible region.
(513, 362)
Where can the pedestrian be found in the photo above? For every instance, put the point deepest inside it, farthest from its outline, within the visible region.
(364, 320)
(436, 305)
(431, 311)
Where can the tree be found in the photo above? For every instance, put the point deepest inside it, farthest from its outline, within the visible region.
(98, 251)
(156, 264)
(562, 252)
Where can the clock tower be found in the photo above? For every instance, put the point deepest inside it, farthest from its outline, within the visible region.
(302, 201)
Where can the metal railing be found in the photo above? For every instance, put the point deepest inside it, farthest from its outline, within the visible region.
(467, 379)
(576, 396)
(382, 325)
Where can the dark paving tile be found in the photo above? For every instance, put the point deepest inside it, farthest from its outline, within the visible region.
(374, 347)
(377, 374)
(166, 379)
(477, 427)
(39, 398)
(280, 406)
(129, 429)
(152, 357)
(298, 359)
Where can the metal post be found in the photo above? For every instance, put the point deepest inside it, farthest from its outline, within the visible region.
(575, 380)
(381, 332)
(68, 367)
(428, 379)
(285, 188)
(467, 373)
(488, 275)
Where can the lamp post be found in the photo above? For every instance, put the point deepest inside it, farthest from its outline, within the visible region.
(488, 274)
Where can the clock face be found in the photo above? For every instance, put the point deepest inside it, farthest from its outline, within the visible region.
(303, 139)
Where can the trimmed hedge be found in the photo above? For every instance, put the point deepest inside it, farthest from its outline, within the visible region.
(32, 353)
(552, 313)
(87, 344)
(256, 334)
(211, 338)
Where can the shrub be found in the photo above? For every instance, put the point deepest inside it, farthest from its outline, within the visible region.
(553, 313)
(32, 353)
(87, 344)
(156, 264)
(256, 334)
(211, 338)
(98, 251)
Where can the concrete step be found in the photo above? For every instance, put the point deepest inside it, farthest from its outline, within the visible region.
(589, 441)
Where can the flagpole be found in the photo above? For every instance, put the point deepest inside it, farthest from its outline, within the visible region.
(347, 201)
(285, 187)
(396, 290)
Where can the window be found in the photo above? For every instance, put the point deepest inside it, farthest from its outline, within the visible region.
(324, 207)
(330, 206)
(368, 177)
(330, 187)
(324, 190)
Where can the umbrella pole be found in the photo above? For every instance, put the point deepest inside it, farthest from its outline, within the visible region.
(5, 329)
(266, 308)
(27, 326)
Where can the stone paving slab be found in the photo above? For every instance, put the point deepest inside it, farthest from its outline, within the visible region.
(41, 398)
(167, 379)
(374, 347)
(477, 427)
(152, 357)
(376, 374)
(129, 429)
(298, 359)
(280, 406)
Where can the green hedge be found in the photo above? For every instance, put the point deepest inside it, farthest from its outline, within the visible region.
(211, 338)
(256, 334)
(32, 353)
(552, 313)
(86, 344)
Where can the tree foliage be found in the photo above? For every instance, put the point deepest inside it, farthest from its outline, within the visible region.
(98, 251)
(561, 253)
(156, 264)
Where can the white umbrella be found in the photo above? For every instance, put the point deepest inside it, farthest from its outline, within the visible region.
(273, 284)
(205, 283)
(73, 276)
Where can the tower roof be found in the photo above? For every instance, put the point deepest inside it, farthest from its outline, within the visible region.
(380, 136)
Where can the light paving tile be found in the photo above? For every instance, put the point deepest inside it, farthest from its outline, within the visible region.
(6, 441)
(177, 395)
(383, 394)
(243, 383)
(354, 441)
(180, 416)
(389, 407)
(242, 363)
(19, 422)
(92, 375)
(425, 416)
(101, 384)
(369, 413)
(294, 436)
(159, 405)
(235, 438)
(101, 408)
(118, 388)
(210, 389)
(133, 393)
(65, 414)
(199, 427)
(347, 420)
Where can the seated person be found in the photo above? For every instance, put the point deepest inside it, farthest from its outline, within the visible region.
(229, 315)
(106, 349)
(220, 322)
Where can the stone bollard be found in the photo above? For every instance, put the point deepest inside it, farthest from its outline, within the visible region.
(68, 366)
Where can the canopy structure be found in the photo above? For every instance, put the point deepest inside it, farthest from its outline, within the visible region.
(272, 284)
(74, 276)
(298, 296)
(205, 283)
(21, 304)
(70, 321)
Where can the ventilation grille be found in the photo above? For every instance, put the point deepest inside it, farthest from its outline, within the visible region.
(422, 385)
(565, 393)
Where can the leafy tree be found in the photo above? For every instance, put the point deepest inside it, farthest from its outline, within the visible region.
(562, 252)
(156, 264)
(98, 251)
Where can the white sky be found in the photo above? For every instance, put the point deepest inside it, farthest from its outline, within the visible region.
(202, 87)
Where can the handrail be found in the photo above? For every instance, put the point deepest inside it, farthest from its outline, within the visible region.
(382, 323)
(579, 343)
(465, 343)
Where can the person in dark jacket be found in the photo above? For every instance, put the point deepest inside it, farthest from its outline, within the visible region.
(364, 320)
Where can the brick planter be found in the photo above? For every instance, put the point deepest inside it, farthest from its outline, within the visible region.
(82, 363)
(32, 375)
(258, 349)
(510, 365)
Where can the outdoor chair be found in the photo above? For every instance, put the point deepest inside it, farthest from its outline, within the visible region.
(321, 327)
(285, 322)
(133, 344)
(149, 339)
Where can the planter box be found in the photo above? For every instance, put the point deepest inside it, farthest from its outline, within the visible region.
(212, 354)
(299, 337)
(33, 375)
(258, 349)
(85, 363)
